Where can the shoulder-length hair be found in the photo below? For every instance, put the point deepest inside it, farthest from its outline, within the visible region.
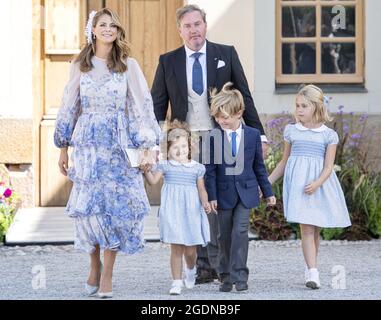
(117, 60)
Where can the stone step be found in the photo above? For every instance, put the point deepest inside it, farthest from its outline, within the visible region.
(50, 225)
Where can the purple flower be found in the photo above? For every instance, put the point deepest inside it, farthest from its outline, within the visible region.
(353, 144)
(272, 123)
(351, 113)
(356, 136)
(341, 107)
(346, 129)
(363, 117)
(7, 193)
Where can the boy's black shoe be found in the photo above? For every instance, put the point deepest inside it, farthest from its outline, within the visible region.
(215, 275)
(204, 276)
(241, 286)
(226, 287)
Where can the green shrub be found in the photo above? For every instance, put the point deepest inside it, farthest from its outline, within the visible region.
(269, 223)
(332, 233)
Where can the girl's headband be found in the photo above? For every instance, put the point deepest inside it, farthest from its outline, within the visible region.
(326, 101)
(89, 27)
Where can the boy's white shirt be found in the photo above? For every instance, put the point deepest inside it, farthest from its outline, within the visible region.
(238, 137)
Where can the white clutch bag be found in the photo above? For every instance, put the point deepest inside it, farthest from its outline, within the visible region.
(133, 157)
(136, 156)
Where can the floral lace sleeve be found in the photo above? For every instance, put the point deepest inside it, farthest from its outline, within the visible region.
(142, 124)
(70, 109)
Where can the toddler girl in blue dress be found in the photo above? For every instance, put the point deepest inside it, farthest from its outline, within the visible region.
(184, 202)
(312, 194)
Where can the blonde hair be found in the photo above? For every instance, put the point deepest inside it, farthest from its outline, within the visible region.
(314, 97)
(117, 60)
(181, 12)
(175, 131)
(227, 102)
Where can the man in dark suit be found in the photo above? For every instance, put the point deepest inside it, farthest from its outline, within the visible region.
(183, 79)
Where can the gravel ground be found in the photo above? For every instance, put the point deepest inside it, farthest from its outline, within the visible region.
(276, 272)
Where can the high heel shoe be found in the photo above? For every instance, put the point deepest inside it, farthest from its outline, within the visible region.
(105, 295)
(92, 290)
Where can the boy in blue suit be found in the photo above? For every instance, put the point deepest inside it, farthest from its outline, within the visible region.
(233, 173)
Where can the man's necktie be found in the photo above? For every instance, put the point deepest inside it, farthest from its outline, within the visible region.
(197, 82)
(233, 136)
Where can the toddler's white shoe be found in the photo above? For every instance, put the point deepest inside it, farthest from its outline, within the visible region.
(306, 274)
(313, 281)
(176, 287)
(190, 277)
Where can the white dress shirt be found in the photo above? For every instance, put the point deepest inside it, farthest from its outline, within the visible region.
(190, 61)
(202, 59)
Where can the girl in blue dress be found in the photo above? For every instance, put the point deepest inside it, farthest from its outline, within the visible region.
(184, 202)
(106, 110)
(312, 194)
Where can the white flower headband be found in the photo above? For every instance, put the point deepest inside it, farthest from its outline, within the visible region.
(89, 27)
(326, 101)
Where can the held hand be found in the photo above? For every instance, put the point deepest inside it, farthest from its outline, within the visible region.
(213, 204)
(207, 207)
(63, 162)
(147, 156)
(311, 188)
(145, 168)
(271, 201)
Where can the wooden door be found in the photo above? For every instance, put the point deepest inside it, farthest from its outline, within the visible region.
(151, 31)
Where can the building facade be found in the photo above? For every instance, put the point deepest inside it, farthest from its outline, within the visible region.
(281, 44)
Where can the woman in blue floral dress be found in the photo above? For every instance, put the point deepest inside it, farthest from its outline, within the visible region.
(106, 110)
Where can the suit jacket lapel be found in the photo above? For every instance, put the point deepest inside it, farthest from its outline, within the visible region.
(211, 65)
(227, 149)
(242, 143)
(181, 72)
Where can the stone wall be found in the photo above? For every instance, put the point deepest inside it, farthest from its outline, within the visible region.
(16, 157)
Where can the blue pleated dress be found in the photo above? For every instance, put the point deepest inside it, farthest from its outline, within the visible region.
(182, 219)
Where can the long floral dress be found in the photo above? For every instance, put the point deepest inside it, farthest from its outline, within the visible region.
(103, 113)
